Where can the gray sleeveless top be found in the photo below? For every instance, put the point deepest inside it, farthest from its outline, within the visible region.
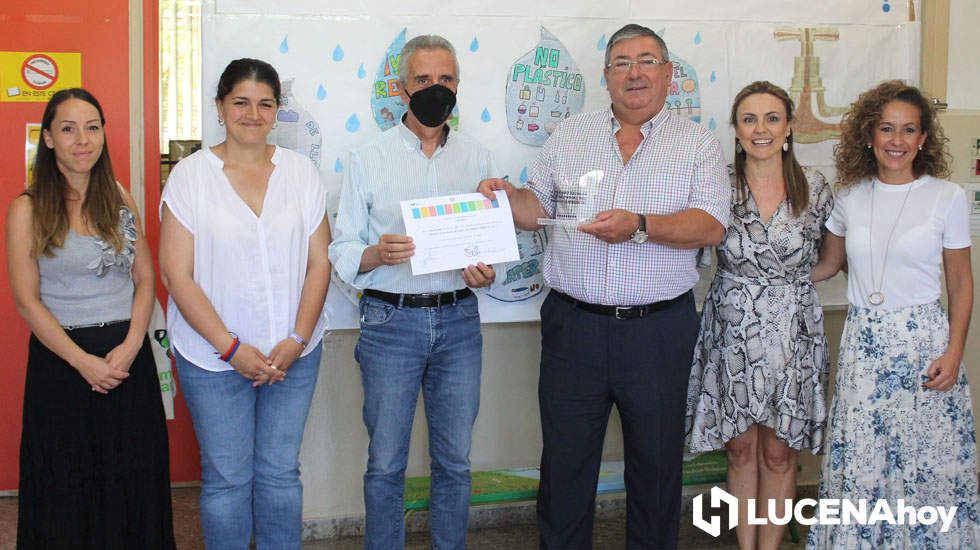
(87, 281)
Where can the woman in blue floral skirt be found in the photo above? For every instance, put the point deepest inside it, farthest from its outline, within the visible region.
(901, 423)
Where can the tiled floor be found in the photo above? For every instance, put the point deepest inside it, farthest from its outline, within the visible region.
(609, 533)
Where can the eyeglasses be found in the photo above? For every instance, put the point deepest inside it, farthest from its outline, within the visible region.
(623, 66)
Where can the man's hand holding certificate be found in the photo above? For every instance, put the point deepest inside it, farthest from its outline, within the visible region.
(455, 231)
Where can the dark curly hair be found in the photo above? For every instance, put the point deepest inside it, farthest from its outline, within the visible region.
(797, 189)
(853, 158)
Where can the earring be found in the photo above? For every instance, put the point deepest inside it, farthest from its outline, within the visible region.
(275, 125)
(868, 146)
(920, 147)
(786, 146)
(738, 147)
(221, 122)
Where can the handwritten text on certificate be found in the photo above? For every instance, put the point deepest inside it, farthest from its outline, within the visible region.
(454, 231)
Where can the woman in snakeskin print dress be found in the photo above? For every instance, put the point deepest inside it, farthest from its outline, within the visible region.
(760, 365)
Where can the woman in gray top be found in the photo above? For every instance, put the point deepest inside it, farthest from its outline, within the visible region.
(94, 468)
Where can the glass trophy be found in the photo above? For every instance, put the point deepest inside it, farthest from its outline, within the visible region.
(575, 202)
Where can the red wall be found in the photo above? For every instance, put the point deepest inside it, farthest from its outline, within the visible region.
(100, 32)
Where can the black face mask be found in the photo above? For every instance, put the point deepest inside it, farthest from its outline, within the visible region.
(432, 105)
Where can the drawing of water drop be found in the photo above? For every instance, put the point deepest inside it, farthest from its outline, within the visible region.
(338, 53)
(886, 8)
(713, 77)
(284, 45)
(353, 124)
(338, 166)
(296, 128)
(697, 38)
(321, 92)
(386, 103)
(712, 124)
(474, 45)
(602, 81)
(601, 44)
(544, 87)
(485, 117)
(524, 175)
(361, 73)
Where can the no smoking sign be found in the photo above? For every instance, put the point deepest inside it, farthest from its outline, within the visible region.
(36, 76)
(39, 71)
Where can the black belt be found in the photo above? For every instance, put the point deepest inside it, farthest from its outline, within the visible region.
(420, 300)
(621, 312)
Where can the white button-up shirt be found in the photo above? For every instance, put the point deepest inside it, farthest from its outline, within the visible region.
(252, 269)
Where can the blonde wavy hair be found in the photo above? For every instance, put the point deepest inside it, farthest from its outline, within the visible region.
(855, 161)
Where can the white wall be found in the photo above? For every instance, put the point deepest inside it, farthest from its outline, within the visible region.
(963, 77)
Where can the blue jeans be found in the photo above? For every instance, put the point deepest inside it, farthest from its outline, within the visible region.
(250, 439)
(400, 350)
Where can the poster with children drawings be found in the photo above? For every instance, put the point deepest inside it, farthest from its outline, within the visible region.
(544, 87)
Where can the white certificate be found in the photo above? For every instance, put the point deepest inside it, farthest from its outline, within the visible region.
(455, 231)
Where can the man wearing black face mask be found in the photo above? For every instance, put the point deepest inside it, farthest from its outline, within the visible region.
(416, 331)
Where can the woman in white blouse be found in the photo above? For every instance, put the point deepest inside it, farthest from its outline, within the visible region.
(243, 252)
(901, 423)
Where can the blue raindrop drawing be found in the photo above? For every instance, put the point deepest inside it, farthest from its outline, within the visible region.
(284, 45)
(697, 38)
(338, 53)
(601, 44)
(602, 81)
(361, 73)
(338, 166)
(353, 124)
(524, 175)
(886, 8)
(321, 92)
(712, 124)
(712, 77)
(474, 44)
(485, 117)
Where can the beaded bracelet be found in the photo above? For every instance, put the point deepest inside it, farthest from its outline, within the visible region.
(298, 339)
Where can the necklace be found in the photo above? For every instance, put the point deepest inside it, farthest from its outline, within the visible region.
(877, 297)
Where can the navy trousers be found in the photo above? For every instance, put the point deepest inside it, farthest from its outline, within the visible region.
(588, 363)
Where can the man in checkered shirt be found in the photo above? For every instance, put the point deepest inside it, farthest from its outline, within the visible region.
(619, 325)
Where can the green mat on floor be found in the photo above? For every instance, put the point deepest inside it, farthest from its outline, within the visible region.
(522, 483)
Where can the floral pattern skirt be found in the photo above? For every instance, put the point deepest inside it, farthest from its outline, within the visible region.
(891, 439)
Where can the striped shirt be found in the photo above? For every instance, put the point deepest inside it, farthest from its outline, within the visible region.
(678, 165)
(382, 173)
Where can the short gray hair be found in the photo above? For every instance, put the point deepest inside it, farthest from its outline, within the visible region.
(631, 31)
(423, 42)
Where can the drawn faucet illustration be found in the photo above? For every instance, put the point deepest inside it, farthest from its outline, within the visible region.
(807, 84)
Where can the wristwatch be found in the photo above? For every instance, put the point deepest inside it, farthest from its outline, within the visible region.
(640, 235)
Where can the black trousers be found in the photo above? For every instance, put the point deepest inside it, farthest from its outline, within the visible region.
(588, 363)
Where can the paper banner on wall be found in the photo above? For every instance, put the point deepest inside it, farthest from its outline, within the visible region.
(544, 87)
(36, 76)
(522, 279)
(296, 129)
(386, 101)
